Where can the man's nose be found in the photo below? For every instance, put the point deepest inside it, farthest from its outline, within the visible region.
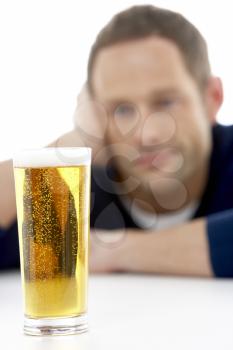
(154, 127)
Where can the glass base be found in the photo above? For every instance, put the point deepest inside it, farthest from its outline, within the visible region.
(55, 326)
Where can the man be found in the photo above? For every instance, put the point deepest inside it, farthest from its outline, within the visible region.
(166, 188)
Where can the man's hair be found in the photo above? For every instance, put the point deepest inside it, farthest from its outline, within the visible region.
(139, 22)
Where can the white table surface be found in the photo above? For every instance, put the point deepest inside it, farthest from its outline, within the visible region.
(133, 312)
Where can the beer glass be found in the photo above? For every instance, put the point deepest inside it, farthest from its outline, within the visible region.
(53, 209)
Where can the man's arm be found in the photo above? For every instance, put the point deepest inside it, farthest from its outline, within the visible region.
(7, 195)
(182, 250)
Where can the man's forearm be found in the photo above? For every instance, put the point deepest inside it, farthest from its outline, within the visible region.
(7, 194)
(182, 250)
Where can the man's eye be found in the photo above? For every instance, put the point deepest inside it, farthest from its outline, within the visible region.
(127, 110)
(166, 102)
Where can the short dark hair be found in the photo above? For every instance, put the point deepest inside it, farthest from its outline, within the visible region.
(142, 21)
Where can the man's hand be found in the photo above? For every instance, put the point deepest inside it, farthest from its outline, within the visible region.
(105, 250)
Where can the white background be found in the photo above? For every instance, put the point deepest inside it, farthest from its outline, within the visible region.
(44, 47)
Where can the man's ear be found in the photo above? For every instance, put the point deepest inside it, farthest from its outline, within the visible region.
(214, 98)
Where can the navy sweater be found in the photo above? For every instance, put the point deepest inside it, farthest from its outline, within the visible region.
(216, 205)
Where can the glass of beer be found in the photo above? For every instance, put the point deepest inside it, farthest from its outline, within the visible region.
(53, 211)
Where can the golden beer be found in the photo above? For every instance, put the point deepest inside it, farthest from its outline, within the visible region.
(53, 223)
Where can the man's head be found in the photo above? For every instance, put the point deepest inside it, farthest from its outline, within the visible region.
(149, 68)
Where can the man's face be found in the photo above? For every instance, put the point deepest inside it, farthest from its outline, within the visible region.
(158, 127)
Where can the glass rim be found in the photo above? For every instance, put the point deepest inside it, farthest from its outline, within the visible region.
(52, 157)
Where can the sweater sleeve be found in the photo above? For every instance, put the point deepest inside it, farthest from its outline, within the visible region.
(9, 247)
(220, 236)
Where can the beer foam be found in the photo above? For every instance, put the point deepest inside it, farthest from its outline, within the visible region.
(53, 157)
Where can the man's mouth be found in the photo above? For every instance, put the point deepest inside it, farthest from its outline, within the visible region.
(156, 159)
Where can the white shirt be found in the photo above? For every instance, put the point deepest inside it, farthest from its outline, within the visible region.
(152, 220)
